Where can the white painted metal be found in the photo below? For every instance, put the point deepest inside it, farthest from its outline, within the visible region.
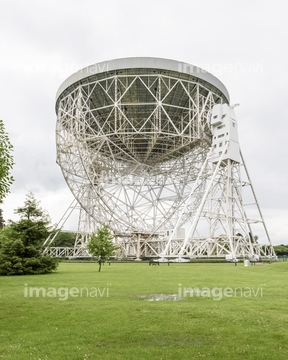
(135, 145)
(225, 231)
(50, 239)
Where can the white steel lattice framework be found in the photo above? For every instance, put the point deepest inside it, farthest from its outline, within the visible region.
(135, 142)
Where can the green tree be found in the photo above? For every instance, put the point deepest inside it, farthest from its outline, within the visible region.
(64, 239)
(33, 227)
(21, 242)
(6, 234)
(6, 163)
(281, 250)
(32, 210)
(101, 245)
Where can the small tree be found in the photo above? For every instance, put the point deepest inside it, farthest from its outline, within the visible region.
(101, 245)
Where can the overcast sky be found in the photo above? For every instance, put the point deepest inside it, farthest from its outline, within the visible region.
(243, 43)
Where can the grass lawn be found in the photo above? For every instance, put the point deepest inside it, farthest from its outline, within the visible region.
(115, 318)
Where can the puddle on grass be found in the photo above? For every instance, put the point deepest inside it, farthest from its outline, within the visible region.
(159, 297)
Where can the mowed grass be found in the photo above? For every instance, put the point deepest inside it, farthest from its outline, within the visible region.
(119, 323)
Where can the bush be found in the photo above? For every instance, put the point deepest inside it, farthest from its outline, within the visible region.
(16, 260)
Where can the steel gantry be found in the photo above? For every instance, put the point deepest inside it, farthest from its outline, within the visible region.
(135, 143)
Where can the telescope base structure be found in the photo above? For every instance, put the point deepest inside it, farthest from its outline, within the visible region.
(198, 248)
(221, 219)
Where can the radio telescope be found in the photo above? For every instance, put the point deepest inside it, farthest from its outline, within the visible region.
(149, 147)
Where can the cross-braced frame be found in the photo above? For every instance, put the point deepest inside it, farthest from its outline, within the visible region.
(131, 143)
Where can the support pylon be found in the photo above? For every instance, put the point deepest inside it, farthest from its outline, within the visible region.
(219, 223)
